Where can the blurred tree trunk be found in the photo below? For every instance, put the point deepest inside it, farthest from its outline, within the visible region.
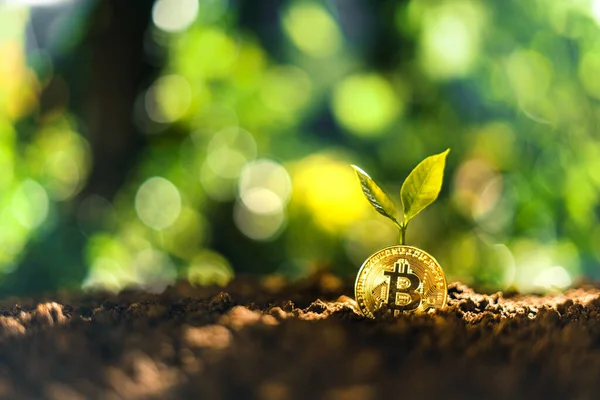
(118, 72)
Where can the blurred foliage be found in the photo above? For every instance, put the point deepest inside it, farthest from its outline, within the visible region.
(257, 113)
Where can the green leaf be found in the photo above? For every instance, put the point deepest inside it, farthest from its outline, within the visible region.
(376, 196)
(423, 185)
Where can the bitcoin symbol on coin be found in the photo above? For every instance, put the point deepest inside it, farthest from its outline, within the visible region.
(410, 282)
(400, 279)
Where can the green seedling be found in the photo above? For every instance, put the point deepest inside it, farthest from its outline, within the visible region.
(420, 189)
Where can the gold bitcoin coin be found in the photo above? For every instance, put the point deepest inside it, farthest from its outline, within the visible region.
(400, 279)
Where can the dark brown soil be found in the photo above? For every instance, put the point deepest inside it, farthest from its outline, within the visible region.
(269, 340)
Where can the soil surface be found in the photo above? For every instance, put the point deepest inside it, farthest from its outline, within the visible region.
(271, 340)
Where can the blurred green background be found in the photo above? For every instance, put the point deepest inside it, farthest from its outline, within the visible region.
(147, 141)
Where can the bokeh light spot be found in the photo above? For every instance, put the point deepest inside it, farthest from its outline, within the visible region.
(66, 175)
(215, 186)
(158, 203)
(262, 201)
(327, 188)
(205, 53)
(450, 39)
(229, 150)
(106, 274)
(541, 266)
(553, 278)
(168, 99)
(312, 29)
(30, 204)
(174, 15)
(264, 179)
(154, 270)
(260, 226)
(209, 268)
(365, 104)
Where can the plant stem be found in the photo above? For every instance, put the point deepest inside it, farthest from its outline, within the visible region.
(403, 234)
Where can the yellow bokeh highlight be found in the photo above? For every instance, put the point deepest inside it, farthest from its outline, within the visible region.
(18, 84)
(366, 104)
(328, 189)
(312, 29)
